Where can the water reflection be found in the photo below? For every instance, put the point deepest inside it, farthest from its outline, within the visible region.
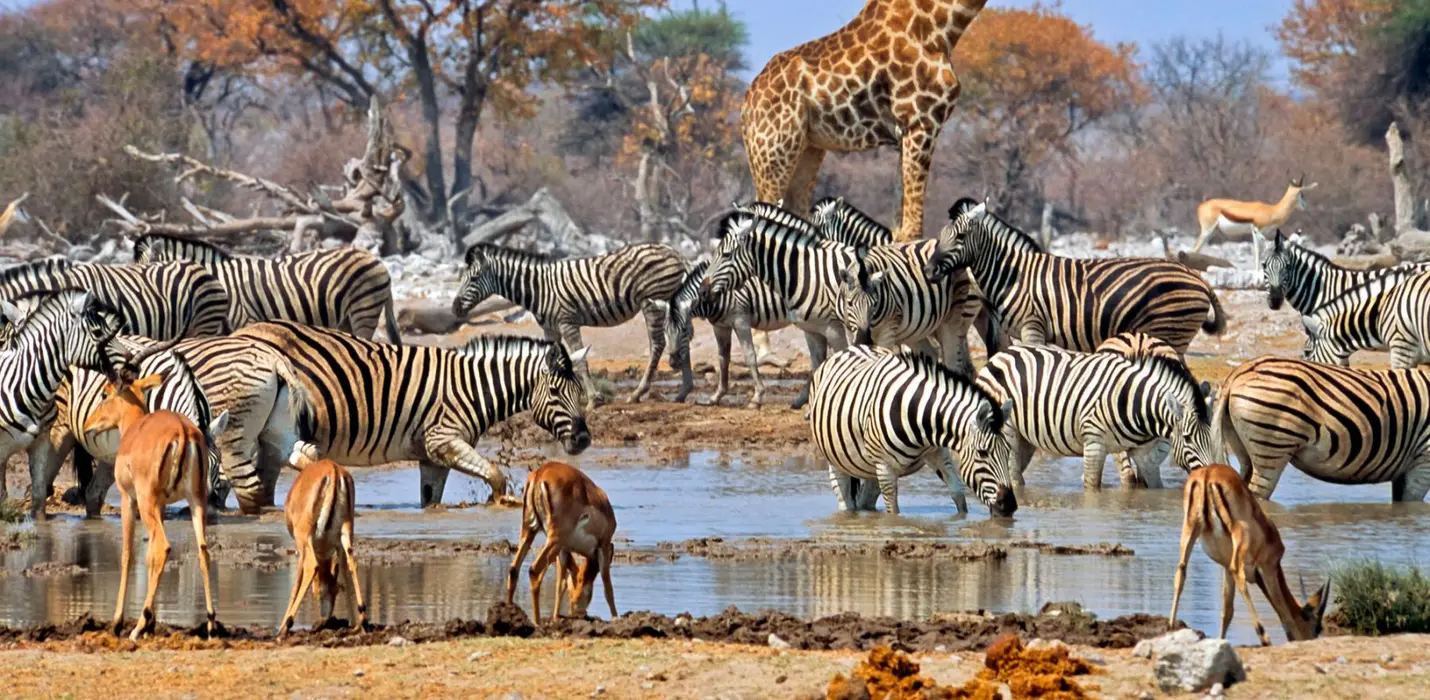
(707, 494)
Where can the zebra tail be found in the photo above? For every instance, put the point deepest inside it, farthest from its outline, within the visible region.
(394, 334)
(1216, 317)
(300, 404)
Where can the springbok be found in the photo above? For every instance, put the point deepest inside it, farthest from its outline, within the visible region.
(1234, 216)
(1220, 510)
(319, 509)
(162, 458)
(577, 518)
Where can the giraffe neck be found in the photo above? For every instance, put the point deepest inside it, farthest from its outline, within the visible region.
(951, 19)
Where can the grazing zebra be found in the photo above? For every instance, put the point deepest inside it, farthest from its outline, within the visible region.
(1044, 299)
(1357, 319)
(1342, 425)
(1127, 397)
(755, 306)
(877, 414)
(564, 295)
(372, 403)
(68, 327)
(1308, 279)
(797, 263)
(250, 383)
(346, 289)
(162, 300)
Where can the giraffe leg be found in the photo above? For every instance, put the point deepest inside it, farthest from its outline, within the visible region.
(800, 193)
(774, 133)
(916, 153)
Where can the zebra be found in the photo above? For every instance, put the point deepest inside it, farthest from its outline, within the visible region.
(1126, 397)
(1358, 319)
(791, 259)
(373, 403)
(344, 288)
(1308, 279)
(564, 295)
(251, 384)
(840, 221)
(1044, 299)
(160, 300)
(755, 306)
(1336, 424)
(879, 414)
(69, 326)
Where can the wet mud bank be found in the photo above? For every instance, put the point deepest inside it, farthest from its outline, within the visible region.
(846, 631)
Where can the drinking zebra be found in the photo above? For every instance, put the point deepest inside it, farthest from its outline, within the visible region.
(1044, 299)
(70, 326)
(161, 300)
(373, 403)
(754, 306)
(564, 295)
(1336, 424)
(792, 260)
(346, 289)
(1127, 397)
(1308, 279)
(1357, 319)
(876, 414)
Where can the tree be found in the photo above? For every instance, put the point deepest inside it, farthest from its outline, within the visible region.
(459, 56)
(1033, 79)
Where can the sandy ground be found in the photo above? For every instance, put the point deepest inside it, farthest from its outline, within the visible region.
(1393, 667)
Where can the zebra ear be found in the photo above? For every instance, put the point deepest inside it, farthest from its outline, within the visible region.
(876, 279)
(580, 354)
(1313, 326)
(219, 424)
(977, 212)
(474, 253)
(1206, 388)
(1176, 409)
(10, 311)
(1007, 409)
(1280, 241)
(80, 303)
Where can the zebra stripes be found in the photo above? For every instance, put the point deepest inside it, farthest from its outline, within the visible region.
(162, 301)
(837, 220)
(373, 403)
(754, 306)
(1041, 299)
(1308, 279)
(251, 383)
(1355, 320)
(564, 295)
(1336, 424)
(67, 327)
(804, 268)
(346, 289)
(1092, 404)
(876, 414)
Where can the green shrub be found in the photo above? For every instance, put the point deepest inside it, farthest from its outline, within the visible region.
(11, 511)
(1374, 599)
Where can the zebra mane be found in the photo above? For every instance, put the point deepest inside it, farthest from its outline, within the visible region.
(519, 346)
(779, 215)
(46, 300)
(933, 369)
(1179, 371)
(48, 266)
(492, 251)
(792, 228)
(1367, 291)
(999, 228)
(690, 286)
(143, 243)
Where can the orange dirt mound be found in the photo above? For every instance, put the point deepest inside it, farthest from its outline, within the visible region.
(1034, 673)
(890, 675)
(1028, 673)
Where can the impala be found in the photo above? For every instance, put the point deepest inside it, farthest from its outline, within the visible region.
(1234, 216)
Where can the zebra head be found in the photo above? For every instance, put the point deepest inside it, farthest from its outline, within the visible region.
(733, 263)
(859, 291)
(952, 253)
(479, 281)
(1276, 271)
(558, 400)
(83, 325)
(823, 212)
(1187, 410)
(985, 457)
(678, 326)
(1322, 345)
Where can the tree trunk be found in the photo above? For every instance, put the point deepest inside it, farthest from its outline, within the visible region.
(645, 209)
(432, 117)
(1404, 195)
(468, 118)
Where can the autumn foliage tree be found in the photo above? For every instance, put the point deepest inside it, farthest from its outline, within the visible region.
(1033, 80)
(459, 57)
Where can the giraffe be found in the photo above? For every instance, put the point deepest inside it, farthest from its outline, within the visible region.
(886, 78)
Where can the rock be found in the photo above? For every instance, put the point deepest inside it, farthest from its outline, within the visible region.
(398, 642)
(1198, 666)
(1039, 643)
(1217, 690)
(941, 648)
(1004, 692)
(1387, 658)
(648, 686)
(781, 679)
(1340, 659)
(599, 691)
(1148, 648)
(776, 643)
(1095, 659)
(955, 659)
(1145, 695)
(358, 672)
(479, 655)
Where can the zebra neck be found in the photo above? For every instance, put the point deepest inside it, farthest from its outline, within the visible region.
(42, 365)
(527, 284)
(794, 268)
(502, 386)
(993, 267)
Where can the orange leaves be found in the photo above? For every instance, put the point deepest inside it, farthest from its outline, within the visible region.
(1321, 35)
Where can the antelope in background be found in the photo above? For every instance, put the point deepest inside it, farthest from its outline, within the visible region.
(162, 458)
(577, 518)
(319, 509)
(1235, 217)
(1219, 509)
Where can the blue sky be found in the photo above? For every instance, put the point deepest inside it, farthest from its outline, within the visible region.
(776, 25)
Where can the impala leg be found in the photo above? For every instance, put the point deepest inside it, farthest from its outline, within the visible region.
(604, 556)
(198, 511)
(564, 568)
(307, 567)
(359, 604)
(1190, 532)
(1240, 561)
(152, 514)
(1228, 598)
(523, 545)
(127, 513)
(537, 572)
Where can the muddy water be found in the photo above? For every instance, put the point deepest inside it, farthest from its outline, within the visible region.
(711, 494)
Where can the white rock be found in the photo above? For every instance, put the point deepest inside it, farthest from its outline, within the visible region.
(358, 672)
(1198, 666)
(777, 643)
(1040, 643)
(941, 648)
(1148, 648)
(479, 655)
(398, 642)
(1217, 690)
(599, 691)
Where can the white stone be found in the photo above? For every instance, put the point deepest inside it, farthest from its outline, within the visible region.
(1198, 666)
(398, 642)
(599, 691)
(1148, 648)
(777, 643)
(479, 655)
(358, 672)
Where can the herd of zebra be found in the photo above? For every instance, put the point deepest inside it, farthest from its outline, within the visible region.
(1086, 357)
